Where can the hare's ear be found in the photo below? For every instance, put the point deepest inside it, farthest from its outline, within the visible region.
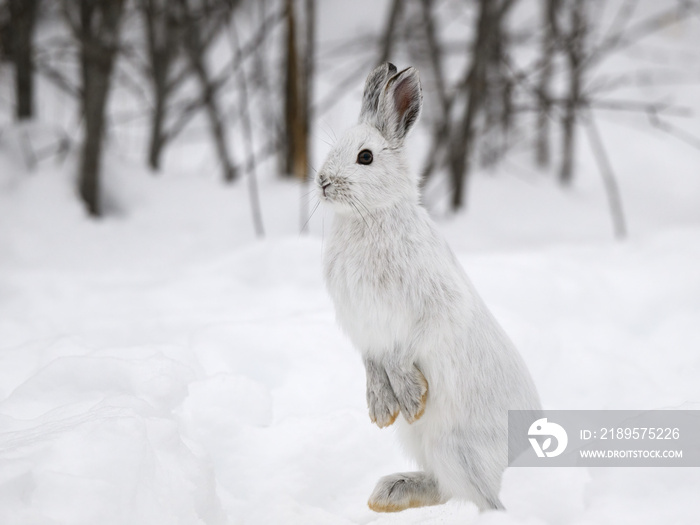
(374, 84)
(400, 104)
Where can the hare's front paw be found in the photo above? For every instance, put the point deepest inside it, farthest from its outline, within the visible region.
(383, 406)
(381, 401)
(411, 390)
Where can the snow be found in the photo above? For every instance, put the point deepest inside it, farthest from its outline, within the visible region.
(162, 366)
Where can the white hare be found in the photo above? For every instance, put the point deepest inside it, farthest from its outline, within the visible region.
(432, 350)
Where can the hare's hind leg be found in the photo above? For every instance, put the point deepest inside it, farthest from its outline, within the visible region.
(469, 473)
(403, 491)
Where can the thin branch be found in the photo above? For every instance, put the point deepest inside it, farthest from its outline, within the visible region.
(645, 107)
(309, 92)
(649, 26)
(345, 84)
(674, 131)
(612, 190)
(388, 35)
(58, 79)
(255, 207)
(218, 81)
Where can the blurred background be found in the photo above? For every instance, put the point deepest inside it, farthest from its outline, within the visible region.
(168, 352)
(248, 90)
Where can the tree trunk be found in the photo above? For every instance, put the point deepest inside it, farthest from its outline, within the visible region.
(161, 33)
(574, 54)
(22, 19)
(95, 88)
(460, 154)
(218, 129)
(441, 133)
(96, 28)
(296, 109)
(253, 192)
(309, 71)
(549, 46)
(387, 41)
(195, 44)
(157, 140)
(308, 94)
(566, 170)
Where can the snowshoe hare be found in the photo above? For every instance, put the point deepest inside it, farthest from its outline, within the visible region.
(432, 350)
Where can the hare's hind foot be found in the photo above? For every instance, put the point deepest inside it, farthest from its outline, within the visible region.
(403, 491)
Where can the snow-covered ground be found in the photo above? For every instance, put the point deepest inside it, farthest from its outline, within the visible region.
(162, 366)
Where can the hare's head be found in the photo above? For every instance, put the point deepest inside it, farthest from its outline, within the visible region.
(366, 168)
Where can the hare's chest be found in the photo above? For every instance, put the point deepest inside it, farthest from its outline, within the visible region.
(369, 288)
(366, 270)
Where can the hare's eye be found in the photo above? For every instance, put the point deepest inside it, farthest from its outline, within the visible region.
(365, 157)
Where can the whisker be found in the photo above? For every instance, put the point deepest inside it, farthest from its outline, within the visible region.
(312, 190)
(333, 138)
(309, 201)
(369, 213)
(360, 214)
(375, 232)
(309, 219)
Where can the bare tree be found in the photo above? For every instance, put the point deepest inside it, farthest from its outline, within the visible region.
(612, 190)
(162, 40)
(388, 35)
(95, 27)
(295, 139)
(476, 112)
(5, 32)
(549, 45)
(574, 49)
(441, 130)
(200, 27)
(261, 78)
(247, 125)
(298, 85)
(485, 56)
(309, 70)
(21, 26)
(294, 127)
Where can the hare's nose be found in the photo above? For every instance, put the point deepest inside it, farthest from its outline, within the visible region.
(323, 182)
(324, 185)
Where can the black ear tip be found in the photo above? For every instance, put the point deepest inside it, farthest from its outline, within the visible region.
(392, 68)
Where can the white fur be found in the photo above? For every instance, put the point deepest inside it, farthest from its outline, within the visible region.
(403, 299)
